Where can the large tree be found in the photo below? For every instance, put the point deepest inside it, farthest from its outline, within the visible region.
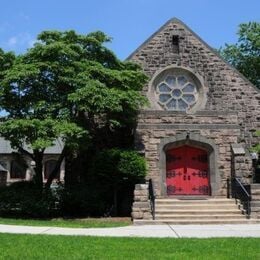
(68, 86)
(245, 54)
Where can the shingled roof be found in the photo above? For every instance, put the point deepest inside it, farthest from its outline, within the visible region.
(5, 147)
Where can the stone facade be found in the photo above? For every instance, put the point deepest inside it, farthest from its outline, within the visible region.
(226, 113)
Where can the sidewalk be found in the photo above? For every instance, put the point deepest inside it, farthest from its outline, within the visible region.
(174, 231)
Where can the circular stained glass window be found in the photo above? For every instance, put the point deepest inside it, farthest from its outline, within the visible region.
(176, 92)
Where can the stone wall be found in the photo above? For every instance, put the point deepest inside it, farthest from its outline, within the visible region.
(141, 208)
(227, 90)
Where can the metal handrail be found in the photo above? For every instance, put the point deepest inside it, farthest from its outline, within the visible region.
(151, 197)
(240, 193)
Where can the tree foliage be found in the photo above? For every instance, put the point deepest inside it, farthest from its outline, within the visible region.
(67, 86)
(245, 54)
(115, 169)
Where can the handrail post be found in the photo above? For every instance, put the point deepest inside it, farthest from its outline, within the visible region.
(228, 188)
(151, 197)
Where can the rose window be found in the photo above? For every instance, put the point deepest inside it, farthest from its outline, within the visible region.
(176, 93)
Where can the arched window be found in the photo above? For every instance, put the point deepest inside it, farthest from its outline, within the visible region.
(49, 167)
(18, 171)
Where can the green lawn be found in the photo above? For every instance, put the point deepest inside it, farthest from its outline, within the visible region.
(75, 223)
(69, 247)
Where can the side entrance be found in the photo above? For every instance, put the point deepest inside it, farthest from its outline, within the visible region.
(187, 171)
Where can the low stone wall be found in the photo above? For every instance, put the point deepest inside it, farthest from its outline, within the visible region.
(141, 208)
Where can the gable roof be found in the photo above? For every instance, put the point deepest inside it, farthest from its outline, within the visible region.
(5, 147)
(177, 21)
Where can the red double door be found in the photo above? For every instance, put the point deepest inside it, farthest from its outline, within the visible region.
(187, 171)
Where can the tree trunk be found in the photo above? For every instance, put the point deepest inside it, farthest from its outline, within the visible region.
(38, 157)
(56, 170)
(71, 171)
(115, 200)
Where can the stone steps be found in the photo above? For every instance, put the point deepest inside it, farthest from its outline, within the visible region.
(196, 222)
(197, 211)
(188, 202)
(200, 212)
(198, 217)
(255, 192)
(255, 203)
(196, 207)
(255, 209)
(255, 186)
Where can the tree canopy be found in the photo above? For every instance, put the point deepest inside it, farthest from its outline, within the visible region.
(245, 54)
(67, 86)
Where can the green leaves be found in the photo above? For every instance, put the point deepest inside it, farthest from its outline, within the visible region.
(245, 55)
(69, 87)
(39, 134)
(117, 166)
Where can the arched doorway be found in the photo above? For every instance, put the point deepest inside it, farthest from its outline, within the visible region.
(187, 171)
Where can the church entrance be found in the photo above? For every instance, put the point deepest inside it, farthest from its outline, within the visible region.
(187, 171)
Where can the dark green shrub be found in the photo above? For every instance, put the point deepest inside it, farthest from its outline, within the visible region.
(82, 200)
(116, 171)
(24, 199)
(118, 166)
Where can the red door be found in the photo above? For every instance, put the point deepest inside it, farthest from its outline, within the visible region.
(187, 171)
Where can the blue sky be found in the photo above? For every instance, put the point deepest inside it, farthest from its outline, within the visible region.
(128, 22)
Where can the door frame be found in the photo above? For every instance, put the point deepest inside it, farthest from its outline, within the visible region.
(194, 140)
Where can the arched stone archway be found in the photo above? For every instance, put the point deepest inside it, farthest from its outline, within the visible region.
(193, 140)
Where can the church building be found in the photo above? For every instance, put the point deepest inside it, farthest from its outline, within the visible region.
(199, 125)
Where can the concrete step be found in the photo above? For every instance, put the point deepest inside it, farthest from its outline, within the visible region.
(255, 191)
(197, 217)
(188, 202)
(255, 197)
(196, 222)
(196, 206)
(255, 203)
(255, 209)
(197, 212)
(255, 186)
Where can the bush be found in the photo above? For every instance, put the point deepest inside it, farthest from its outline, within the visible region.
(82, 201)
(24, 199)
(118, 166)
(116, 171)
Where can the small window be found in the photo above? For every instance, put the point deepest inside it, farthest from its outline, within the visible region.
(175, 43)
(49, 167)
(18, 171)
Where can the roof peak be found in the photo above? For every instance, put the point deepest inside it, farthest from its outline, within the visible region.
(172, 20)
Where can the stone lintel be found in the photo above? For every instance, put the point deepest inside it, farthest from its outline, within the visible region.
(197, 113)
(187, 126)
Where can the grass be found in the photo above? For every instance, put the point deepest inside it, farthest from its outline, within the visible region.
(74, 223)
(77, 247)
